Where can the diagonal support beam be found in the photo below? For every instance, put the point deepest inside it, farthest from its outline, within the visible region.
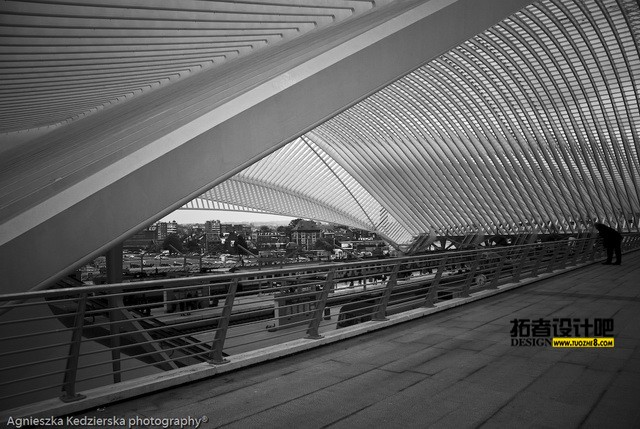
(84, 187)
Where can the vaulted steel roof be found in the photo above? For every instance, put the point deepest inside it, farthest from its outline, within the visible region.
(530, 123)
(61, 60)
(404, 117)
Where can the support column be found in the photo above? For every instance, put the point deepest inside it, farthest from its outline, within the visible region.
(114, 264)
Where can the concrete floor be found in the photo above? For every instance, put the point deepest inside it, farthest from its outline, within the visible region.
(453, 369)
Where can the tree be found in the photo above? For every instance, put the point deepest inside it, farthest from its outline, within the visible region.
(192, 244)
(240, 245)
(294, 222)
(286, 229)
(265, 228)
(323, 244)
(292, 250)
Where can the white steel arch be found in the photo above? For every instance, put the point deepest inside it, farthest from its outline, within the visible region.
(113, 115)
(63, 60)
(533, 122)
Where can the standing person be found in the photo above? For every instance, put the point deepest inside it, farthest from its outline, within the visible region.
(612, 241)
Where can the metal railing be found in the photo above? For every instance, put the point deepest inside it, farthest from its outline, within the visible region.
(57, 343)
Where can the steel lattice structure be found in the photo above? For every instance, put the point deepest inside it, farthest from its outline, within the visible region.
(64, 60)
(412, 118)
(531, 123)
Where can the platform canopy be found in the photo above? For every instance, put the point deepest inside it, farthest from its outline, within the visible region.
(530, 124)
(403, 117)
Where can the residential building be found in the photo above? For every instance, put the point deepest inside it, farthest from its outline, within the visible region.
(305, 234)
(161, 230)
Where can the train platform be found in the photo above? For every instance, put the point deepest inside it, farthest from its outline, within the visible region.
(486, 364)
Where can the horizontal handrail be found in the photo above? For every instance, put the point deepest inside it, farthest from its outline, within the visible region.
(133, 328)
(198, 280)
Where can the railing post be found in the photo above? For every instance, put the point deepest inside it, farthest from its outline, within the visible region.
(523, 258)
(574, 247)
(567, 251)
(584, 247)
(69, 385)
(114, 275)
(223, 325)
(496, 274)
(314, 325)
(542, 251)
(382, 307)
(431, 297)
(467, 284)
(554, 257)
(115, 319)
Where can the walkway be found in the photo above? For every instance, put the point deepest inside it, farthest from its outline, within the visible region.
(453, 369)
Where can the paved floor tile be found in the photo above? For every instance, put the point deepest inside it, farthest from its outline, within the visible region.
(530, 410)
(452, 369)
(415, 360)
(410, 408)
(344, 399)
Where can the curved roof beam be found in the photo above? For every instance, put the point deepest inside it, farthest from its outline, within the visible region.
(531, 122)
(132, 163)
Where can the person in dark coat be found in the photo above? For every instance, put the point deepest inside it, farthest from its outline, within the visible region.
(612, 241)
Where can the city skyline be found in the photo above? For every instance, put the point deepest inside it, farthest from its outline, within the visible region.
(182, 216)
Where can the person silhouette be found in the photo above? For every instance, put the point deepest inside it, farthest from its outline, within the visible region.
(612, 242)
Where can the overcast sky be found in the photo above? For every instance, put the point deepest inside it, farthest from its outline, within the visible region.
(201, 216)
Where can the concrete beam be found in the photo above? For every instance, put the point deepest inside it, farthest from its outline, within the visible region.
(148, 164)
